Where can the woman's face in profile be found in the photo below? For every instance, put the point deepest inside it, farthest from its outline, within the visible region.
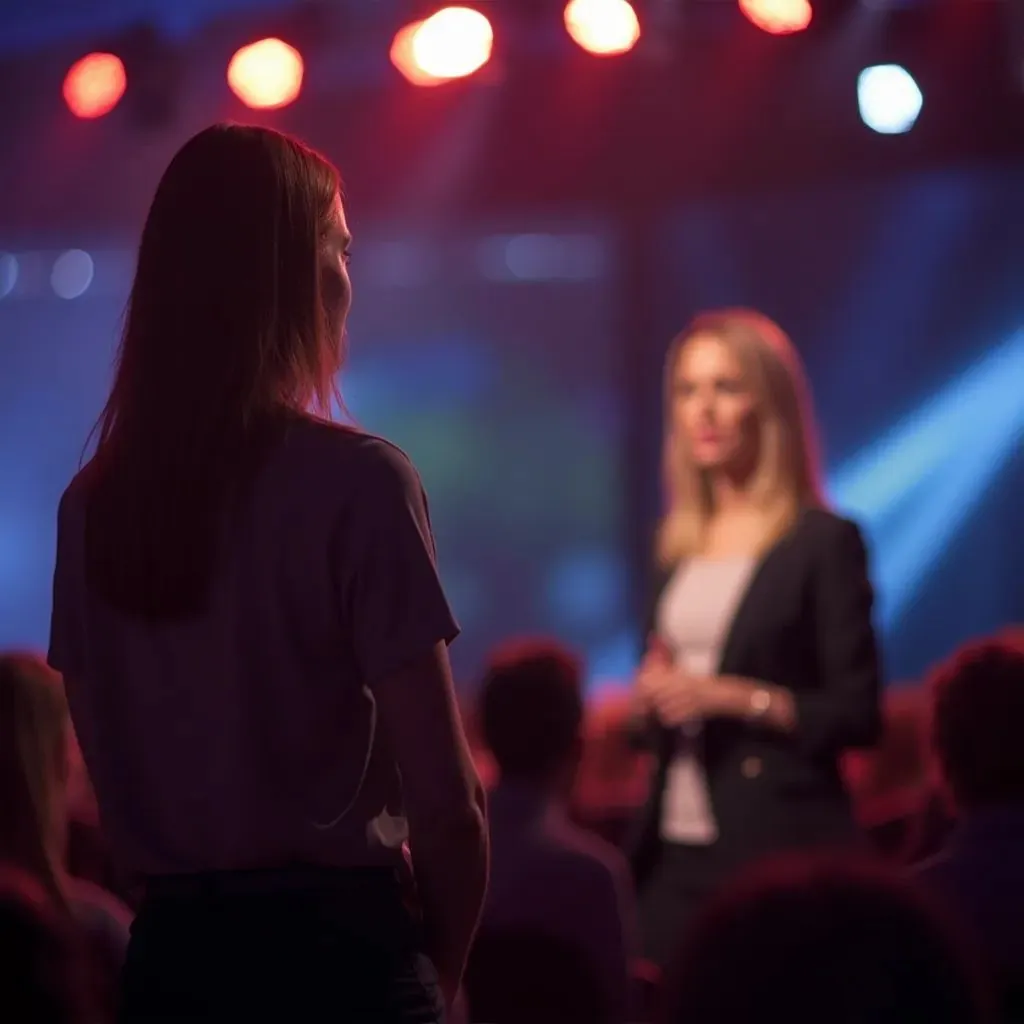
(335, 286)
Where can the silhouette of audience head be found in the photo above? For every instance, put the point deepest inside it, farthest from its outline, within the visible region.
(529, 975)
(977, 715)
(42, 970)
(531, 712)
(814, 938)
(900, 759)
(614, 776)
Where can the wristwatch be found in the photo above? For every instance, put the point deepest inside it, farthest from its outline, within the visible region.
(760, 704)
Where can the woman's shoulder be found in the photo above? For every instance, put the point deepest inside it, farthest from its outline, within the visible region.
(71, 509)
(75, 492)
(825, 525)
(833, 540)
(355, 450)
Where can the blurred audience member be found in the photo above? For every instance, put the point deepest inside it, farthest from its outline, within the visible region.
(548, 876)
(977, 733)
(34, 772)
(812, 939)
(88, 853)
(894, 796)
(525, 975)
(483, 760)
(42, 969)
(614, 777)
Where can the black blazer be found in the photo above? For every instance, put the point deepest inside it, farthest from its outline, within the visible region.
(805, 623)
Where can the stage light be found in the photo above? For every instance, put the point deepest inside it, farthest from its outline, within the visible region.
(266, 75)
(95, 85)
(72, 274)
(140, 56)
(778, 17)
(453, 43)
(602, 27)
(403, 56)
(8, 273)
(890, 100)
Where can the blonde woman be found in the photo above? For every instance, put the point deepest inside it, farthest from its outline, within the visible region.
(762, 667)
(35, 744)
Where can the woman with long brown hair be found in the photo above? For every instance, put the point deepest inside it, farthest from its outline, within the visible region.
(763, 666)
(252, 631)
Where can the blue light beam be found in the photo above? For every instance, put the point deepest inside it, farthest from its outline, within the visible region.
(917, 485)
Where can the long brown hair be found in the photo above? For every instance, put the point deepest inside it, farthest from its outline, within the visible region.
(225, 329)
(34, 726)
(788, 472)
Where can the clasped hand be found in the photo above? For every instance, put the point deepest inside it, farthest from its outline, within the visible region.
(675, 696)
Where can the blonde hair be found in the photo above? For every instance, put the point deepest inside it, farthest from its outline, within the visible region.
(787, 474)
(34, 726)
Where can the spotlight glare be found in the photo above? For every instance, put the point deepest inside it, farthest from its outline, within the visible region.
(94, 85)
(778, 17)
(890, 100)
(453, 43)
(403, 56)
(266, 75)
(604, 28)
(72, 274)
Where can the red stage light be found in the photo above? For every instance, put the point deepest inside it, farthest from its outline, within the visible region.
(95, 85)
(779, 17)
(602, 27)
(266, 75)
(453, 43)
(403, 56)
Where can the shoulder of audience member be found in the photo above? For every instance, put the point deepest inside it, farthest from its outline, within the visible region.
(943, 876)
(937, 866)
(99, 912)
(601, 859)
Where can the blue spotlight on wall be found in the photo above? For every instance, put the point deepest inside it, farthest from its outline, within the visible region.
(918, 483)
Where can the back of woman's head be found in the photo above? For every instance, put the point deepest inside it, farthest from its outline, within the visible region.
(33, 752)
(226, 324)
(810, 939)
(225, 302)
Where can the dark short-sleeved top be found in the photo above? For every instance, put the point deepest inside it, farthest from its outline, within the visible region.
(237, 739)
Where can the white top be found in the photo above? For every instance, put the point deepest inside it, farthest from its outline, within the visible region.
(695, 612)
(237, 739)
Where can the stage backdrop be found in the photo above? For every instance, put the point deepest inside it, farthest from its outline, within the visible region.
(494, 353)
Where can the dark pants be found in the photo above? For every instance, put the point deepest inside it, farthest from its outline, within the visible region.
(681, 879)
(677, 887)
(302, 945)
